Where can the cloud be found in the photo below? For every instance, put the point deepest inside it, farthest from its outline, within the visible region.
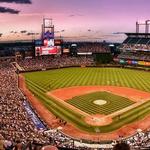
(60, 31)
(1, 34)
(56, 31)
(17, 1)
(71, 15)
(36, 33)
(8, 10)
(23, 31)
(74, 15)
(32, 33)
(13, 32)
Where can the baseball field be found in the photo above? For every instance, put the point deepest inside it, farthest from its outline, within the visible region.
(89, 97)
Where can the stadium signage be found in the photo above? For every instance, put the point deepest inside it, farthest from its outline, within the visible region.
(32, 115)
(86, 53)
(132, 62)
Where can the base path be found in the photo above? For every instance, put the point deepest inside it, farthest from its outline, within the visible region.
(133, 94)
(68, 93)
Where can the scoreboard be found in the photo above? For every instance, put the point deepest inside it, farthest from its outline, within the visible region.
(42, 50)
(48, 47)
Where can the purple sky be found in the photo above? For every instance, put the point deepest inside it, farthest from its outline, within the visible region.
(79, 19)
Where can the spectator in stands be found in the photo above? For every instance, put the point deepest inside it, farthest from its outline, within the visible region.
(121, 146)
(49, 62)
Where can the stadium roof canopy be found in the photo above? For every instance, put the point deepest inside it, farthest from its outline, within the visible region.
(137, 38)
(137, 34)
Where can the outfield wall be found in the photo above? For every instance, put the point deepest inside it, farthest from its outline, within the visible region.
(100, 66)
(132, 62)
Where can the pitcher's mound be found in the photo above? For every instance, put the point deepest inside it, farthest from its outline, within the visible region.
(100, 102)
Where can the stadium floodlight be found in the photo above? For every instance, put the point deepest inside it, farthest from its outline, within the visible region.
(111, 45)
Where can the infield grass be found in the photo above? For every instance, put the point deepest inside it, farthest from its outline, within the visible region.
(86, 103)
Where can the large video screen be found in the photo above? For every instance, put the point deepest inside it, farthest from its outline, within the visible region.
(49, 43)
(44, 50)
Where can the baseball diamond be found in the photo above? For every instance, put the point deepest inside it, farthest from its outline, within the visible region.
(123, 107)
(112, 103)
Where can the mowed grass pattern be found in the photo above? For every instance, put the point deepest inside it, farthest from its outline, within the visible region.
(41, 82)
(60, 78)
(114, 103)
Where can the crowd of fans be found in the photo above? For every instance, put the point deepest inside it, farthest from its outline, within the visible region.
(16, 127)
(145, 56)
(94, 47)
(141, 140)
(17, 130)
(39, 63)
(140, 47)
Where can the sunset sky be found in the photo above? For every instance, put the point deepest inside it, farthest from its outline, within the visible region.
(73, 19)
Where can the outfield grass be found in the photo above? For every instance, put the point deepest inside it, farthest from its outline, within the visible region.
(59, 78)
(114, 103)
(41, 82)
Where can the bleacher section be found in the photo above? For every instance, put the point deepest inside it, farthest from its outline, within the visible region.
(135, 50)
(130, 40)
(135, 56)
(144, 41)
(94, 47)
(48, 62)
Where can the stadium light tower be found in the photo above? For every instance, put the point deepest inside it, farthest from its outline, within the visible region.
(137, 27)
(147, 26)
